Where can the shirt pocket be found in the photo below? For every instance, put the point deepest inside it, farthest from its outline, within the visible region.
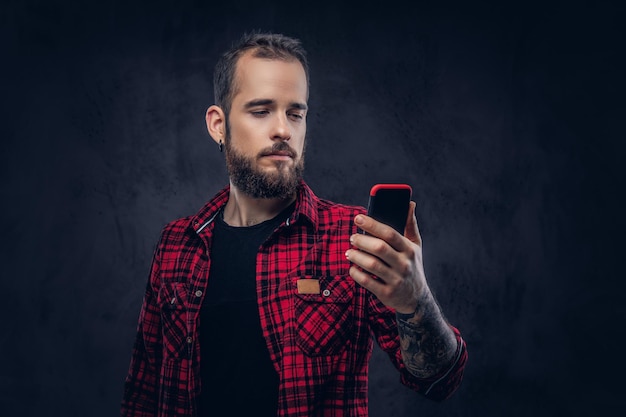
(172, 302)
(324, 320)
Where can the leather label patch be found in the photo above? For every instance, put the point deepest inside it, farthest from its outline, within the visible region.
(308, 286)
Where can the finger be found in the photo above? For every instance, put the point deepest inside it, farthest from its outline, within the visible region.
(371, 264)
(367, 281)
(411, 230)
(382, 231)
(376, 247)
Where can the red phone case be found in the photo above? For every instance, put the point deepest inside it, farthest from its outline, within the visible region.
(378, 187)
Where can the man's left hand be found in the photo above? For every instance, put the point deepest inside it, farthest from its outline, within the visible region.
(394, 260)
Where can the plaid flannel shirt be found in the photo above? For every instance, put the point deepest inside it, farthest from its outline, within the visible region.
(320, 344)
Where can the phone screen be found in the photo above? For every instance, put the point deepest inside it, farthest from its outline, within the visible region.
(389, 204)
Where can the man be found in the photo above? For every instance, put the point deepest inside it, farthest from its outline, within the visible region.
(266, 300)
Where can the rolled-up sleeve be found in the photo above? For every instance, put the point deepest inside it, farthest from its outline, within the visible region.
(438, 387)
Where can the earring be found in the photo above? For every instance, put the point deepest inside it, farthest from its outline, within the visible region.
(221, 145)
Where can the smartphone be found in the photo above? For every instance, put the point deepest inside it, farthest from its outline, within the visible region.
(389, 204)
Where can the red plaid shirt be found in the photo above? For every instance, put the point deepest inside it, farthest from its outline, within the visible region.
(320, 344)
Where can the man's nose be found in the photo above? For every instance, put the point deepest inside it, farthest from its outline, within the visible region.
(281, 129)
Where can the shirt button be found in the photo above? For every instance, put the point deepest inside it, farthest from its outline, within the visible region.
(326, 293)
(198, 293)
(190, 340)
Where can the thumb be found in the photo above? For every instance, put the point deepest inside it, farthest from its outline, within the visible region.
(411, 231)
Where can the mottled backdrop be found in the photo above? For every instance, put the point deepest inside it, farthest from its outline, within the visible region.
(506, 120)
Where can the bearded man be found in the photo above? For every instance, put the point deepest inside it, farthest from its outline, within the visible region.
(267, 301)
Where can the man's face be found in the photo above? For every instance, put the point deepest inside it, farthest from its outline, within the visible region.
(267, 127)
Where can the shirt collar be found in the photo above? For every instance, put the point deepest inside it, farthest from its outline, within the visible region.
(306, 208)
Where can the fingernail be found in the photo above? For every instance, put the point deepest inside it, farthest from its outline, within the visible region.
(347, 254)
(358, 219)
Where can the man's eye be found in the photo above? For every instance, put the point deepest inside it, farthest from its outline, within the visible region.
(259, 113)
(296, 116)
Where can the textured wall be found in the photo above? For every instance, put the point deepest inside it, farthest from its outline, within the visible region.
(507, 122)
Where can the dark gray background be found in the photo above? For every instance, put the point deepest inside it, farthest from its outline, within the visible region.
(506, 120)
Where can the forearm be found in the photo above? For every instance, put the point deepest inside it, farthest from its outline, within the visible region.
(427, 343)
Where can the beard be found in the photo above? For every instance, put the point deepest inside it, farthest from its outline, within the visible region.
(248, 177)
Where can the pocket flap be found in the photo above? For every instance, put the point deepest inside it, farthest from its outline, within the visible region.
(172, 296)
(337, 289)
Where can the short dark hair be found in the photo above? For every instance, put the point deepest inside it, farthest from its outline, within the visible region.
(263, 45)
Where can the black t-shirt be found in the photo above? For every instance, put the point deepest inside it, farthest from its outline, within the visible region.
(237, 375)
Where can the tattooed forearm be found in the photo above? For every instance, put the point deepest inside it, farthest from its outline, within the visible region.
(427, 343)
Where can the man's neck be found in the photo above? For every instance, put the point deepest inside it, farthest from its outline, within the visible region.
(242, 210)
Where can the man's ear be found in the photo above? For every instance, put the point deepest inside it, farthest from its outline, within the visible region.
(216, 123)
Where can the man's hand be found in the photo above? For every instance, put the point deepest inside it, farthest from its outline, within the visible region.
(394, 259)
(427, 343)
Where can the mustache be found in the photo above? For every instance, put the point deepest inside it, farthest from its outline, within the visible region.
(279, 147)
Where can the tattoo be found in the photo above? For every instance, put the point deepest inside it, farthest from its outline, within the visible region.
(427, 343)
